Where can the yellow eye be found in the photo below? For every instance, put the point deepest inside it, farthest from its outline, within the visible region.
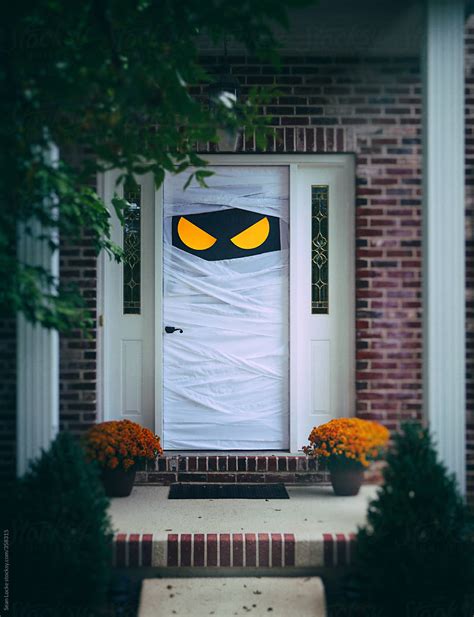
(253, 236)
(193, 236)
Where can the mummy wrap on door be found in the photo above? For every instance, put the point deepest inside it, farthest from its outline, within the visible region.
(226, 285)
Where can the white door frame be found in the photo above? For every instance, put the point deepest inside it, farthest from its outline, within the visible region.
(345, 163)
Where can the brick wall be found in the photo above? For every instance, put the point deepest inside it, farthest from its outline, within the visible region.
(78, 350)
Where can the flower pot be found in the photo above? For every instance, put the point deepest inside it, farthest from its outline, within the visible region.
(346, 482)
(118, 482)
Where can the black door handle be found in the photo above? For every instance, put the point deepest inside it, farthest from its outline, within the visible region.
(171, 329)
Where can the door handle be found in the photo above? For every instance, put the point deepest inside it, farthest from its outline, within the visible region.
(171, 329)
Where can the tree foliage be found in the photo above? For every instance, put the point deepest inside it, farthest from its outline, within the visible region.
(117, 79)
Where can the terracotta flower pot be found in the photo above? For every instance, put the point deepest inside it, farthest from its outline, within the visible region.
(346, 482)
(118, 482)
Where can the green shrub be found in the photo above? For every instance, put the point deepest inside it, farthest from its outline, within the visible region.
(61, 538)
(415, 556)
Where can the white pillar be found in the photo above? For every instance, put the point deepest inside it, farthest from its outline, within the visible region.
(443, 232)
(37, 362)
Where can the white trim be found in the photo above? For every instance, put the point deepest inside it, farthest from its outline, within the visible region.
(322, 160)
(158, 242)
(294, 335)
(444, 233)
(37, 357)
(100, 310)
(106, 186)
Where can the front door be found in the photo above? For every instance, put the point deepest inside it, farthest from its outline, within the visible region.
(225, 290)
(258, 272)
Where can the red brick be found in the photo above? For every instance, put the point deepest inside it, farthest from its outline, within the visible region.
(250, 549)
(193, 477)
(341, 549)
(186, 548)
(147, 549)
(211, 549)
(250, 477)
(221, 477)
(173, 545)
(167, 477)
(133, 550)
(261, 463)
(263, 550)
(251, 463)
(212, 463)
(328, 549)
(120, 550)
(289, 539)
(237, 549)
(277, 557)
(280, 477)
(272, 463)
(224, 548)
(198, 559)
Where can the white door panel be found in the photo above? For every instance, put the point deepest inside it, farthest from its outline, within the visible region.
(322, 345)
(128, 341)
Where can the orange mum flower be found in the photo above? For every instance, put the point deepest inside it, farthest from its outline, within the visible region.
(121, 443)
(349, 440)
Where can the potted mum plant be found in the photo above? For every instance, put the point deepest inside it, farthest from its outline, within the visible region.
(347, 445)
(121, 448)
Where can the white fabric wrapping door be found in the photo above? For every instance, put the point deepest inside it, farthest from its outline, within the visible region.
(226, 375)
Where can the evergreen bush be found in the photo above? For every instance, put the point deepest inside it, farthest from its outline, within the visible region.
(61, 537)
(415, 557)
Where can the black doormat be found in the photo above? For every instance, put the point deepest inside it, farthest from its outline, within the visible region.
(228, 491)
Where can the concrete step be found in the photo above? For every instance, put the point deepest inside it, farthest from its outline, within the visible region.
(233, 551)
(312, 529)
(231, 597)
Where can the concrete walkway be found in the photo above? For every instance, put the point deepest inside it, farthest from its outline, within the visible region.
(313, 528)
(230, 597)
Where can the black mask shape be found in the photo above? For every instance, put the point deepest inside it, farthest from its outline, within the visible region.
(226, 234)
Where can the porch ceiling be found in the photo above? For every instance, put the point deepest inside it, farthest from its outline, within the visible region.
(344, 28)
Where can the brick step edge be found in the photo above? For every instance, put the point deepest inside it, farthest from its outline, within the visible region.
(247, 550)
(233, 463)
(252, 469)
(164, 478)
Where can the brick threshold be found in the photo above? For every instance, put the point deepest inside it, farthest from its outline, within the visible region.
(230, 468)
(233, 467)
(233, 550)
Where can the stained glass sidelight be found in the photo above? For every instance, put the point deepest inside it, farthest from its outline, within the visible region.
(319, 250)
(131, 248)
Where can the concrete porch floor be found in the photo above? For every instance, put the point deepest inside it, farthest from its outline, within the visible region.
(310, 510)
(312, 528)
